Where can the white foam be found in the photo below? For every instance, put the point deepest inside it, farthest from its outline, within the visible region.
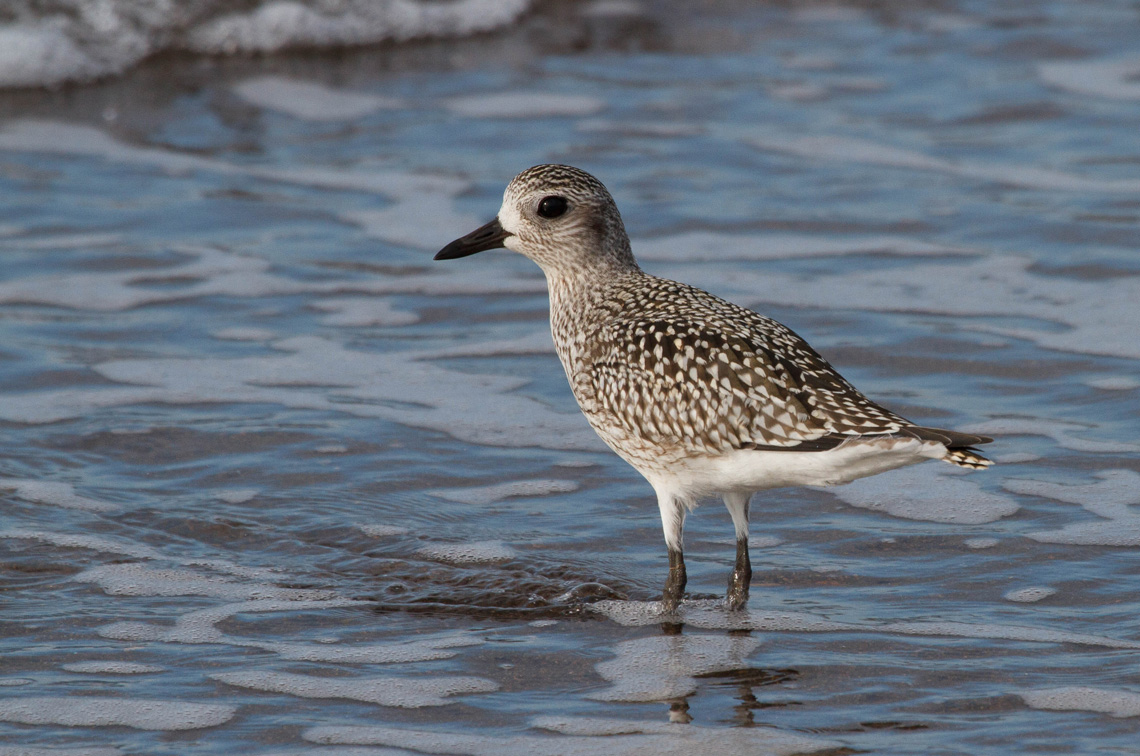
(381, 531)
(583, 736)
(298, 375)
(310, 101)
(1060, 431)
(1029, 595)
(1114, 498)
(215, 272)
(1118, 703)
(200, 626)
(666, 738)
(426, 649)
(81, 751)
(853, 150)
(468, 553)
(331, 449)
(112, 668)
(39, 53)
(229, 568)
(1112, 79)
(664, 666)
(377, 377)
(141, 580)
(237, 495)
(55, 493)
(65, 43)
(484, 495)
(1005, 632)
(405, 223)
(95, 543)
(1096, 315)
(127, 548)
(92, 711)
(922, 493)
(712, 615)
(1113, 383)
(273, 26)
(1016, 458)
(524, 105)
(343, 751)
(981, 543)
(361, 311)
(708, 245)
(401, 692)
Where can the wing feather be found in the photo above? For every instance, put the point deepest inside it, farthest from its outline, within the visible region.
(675, 381)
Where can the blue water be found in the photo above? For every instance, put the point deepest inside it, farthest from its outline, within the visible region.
(341, 497)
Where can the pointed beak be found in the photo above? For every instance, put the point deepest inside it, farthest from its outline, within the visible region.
(486, 237)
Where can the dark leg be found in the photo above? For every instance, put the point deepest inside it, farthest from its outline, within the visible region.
(737, 597)
(673, 523)
(741, 577)
(675, 583)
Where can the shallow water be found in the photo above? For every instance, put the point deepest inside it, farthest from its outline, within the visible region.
(275, 482)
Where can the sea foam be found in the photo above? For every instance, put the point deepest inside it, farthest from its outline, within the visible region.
(52, 43)
(91, 711)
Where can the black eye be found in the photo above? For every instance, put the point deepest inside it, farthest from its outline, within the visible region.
(552, 207)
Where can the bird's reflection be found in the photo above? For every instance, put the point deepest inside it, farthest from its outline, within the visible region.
(731, 671)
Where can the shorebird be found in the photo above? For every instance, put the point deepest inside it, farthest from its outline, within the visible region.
(701, 396)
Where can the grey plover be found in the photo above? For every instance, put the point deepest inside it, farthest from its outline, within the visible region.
(701, 396)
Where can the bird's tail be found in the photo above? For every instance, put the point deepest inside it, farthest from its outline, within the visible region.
(959, 446)
(964, 456)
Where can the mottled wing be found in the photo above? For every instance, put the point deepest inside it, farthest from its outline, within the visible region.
(714, 386)
(827, 395)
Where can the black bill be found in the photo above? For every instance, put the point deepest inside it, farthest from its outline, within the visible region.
(483, 238)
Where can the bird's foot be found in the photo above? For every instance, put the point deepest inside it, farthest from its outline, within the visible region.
(737, 596)
(738, 584)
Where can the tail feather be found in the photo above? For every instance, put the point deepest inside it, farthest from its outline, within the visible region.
(964, 456)
(959, 446)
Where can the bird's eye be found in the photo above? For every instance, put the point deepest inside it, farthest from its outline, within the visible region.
(552, 207)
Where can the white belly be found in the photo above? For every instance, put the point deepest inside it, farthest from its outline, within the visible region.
(746, 471)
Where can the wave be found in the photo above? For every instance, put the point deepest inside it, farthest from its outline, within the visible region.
(53, 42)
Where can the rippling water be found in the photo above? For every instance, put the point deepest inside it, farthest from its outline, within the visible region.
(273, 481)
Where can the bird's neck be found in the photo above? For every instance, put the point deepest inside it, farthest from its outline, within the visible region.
(580, 287)
(583, 301)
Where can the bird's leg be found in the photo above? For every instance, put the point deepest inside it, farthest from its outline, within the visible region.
(673, 523)
(675, 583)
(741, 579)
(737, 595)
